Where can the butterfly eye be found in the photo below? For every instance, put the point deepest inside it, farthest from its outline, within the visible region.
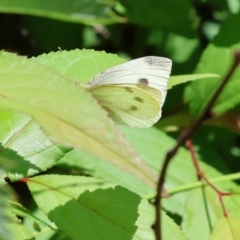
(143, 81)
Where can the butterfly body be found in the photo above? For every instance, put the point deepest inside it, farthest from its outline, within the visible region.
(133, 92)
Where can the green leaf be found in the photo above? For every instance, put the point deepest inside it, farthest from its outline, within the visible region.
(161, 15)
(5, 216)
(198, 217)
(217, 58)
(152, 145)
(90, 206)
(66, 111)
(202, 211)
(20, 232)
(10, 227)
(226, 228)
(175, 80)
(36, 221)
(72, 11)
(80, 65)
(234, 6)
(25, 147)
(86, 205)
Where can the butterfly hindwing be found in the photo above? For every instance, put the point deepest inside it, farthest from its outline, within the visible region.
(130, 104)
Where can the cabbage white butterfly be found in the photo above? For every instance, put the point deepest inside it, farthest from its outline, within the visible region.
(133, 92)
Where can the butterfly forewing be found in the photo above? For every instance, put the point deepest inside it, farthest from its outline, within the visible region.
(155, 69)
(133, 92)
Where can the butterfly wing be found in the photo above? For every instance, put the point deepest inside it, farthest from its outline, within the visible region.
(130, 104)
(150, 71)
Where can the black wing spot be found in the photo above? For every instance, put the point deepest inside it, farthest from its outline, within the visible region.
(143, 81)
(138, 99)
(133, 108)
(128, 89)
(149, 60)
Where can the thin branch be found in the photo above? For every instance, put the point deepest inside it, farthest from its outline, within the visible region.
(157, 226)
(202, 177)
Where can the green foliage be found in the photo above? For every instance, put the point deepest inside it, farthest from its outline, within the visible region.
(221, 48)
(72, 11)
(96, 180)
(162, 16)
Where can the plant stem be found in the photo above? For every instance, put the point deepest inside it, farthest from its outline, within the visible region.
(157, 226)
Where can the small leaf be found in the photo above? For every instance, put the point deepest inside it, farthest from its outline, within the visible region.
(175, 80)
(26, 149)
(5, 216)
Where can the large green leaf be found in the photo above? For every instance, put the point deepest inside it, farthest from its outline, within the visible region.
(152, 145)
(217, 58)
(66, 111)
(89, 208)
(73, 10)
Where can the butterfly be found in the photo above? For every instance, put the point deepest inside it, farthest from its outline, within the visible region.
(134, 92)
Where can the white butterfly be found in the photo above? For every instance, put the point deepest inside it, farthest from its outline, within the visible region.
(133, 92)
